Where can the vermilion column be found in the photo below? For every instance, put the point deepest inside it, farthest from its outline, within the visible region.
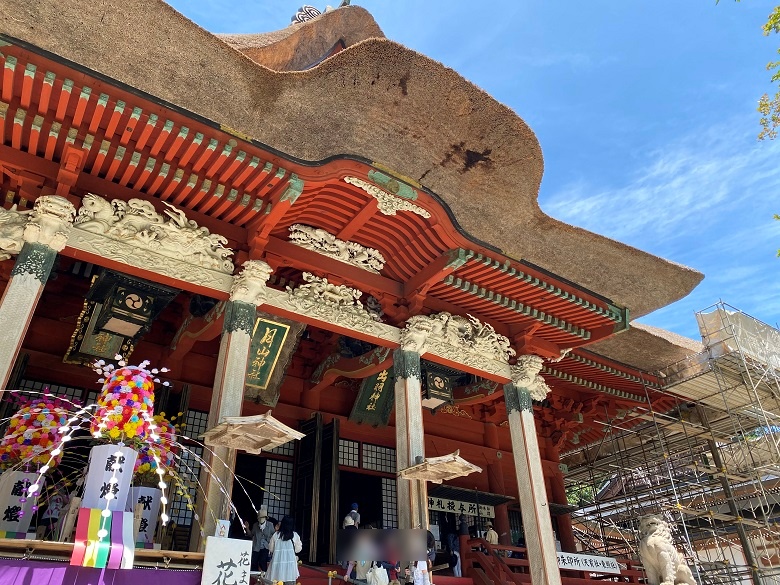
(497, 485)
(565, 530)
(227, 397)
(37, 237)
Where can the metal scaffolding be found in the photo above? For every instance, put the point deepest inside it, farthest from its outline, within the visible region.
(710, 465)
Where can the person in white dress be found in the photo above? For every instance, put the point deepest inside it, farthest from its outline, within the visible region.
(421, 575)
(284, 546)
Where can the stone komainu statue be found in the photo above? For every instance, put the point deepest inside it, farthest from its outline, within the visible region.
(663, 564)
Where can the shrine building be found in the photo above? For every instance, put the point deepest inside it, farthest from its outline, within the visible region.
(320, 223)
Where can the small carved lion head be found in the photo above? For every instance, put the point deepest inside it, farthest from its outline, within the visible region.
(652, 524)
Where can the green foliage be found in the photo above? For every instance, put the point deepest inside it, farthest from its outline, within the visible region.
(769, 108)
(580, 494)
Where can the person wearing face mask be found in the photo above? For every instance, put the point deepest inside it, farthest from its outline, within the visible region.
(262, 532)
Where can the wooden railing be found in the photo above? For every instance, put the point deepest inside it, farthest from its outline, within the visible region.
(498, 563)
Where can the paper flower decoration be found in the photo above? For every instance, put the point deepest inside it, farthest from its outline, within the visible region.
(126, 403)
(33, 432)
(160, 442)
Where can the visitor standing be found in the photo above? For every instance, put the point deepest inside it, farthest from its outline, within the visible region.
(355, 515)
(491, 536)
(284, 547)
(454, 544)
(421, 573)
(261, 539)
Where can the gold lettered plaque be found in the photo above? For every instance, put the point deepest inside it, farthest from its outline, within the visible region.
(274, 341)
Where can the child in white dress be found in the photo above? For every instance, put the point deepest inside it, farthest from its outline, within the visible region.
(284, 546)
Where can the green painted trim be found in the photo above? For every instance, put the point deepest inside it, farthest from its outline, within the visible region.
(592, 385)
(625, 323)
(392, 185)
(294, 189)
(611, 312)
(36, 259)
(406, 364)
(458, 258)
(610, 370)
(239, 316)
(517, 399)
(515, 306)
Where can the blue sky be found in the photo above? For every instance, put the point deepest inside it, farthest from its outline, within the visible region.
(645, 112)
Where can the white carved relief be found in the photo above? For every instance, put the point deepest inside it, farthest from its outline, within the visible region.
(174, 236)
(525, 374)
(50, 222)
(249, 284)
(388, 204)
(468, 334)
(129, 253)
(12, 222)
(323, 242)
(336, 304)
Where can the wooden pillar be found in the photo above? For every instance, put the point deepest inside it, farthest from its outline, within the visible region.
(497, 485)
(37, 237)
(537, 525)
(565, 530)
(409, 439)
(228, 394)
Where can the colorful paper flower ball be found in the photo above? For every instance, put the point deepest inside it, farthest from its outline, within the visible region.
(163, 446)
(33, 432)
(126, 397)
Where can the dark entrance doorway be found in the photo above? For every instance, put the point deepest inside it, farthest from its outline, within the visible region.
(366, 492)
(250, 471)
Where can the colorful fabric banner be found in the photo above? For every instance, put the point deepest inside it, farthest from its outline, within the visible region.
(15, 503)
(374, 402)
(101, 461)
(114, 550)
(26, 571)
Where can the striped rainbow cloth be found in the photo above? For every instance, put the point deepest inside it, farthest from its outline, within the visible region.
(115, 551)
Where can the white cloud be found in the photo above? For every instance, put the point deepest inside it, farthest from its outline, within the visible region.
(705, 200)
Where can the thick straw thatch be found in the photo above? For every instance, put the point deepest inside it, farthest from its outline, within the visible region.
(375, 99)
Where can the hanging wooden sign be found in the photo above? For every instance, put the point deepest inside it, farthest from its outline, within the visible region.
(374, 402)
(274, 340)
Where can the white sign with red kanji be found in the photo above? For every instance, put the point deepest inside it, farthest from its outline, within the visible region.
(226, 562)
(456, 507)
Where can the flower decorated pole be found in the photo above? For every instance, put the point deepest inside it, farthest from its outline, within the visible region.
(32, 432)
(105, 532)
(146, 496)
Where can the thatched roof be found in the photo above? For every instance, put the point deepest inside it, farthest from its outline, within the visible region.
(301, 45)
(646, 348)
(376, 99)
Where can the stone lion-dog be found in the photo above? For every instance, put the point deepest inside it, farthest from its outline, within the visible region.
(664, 565)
